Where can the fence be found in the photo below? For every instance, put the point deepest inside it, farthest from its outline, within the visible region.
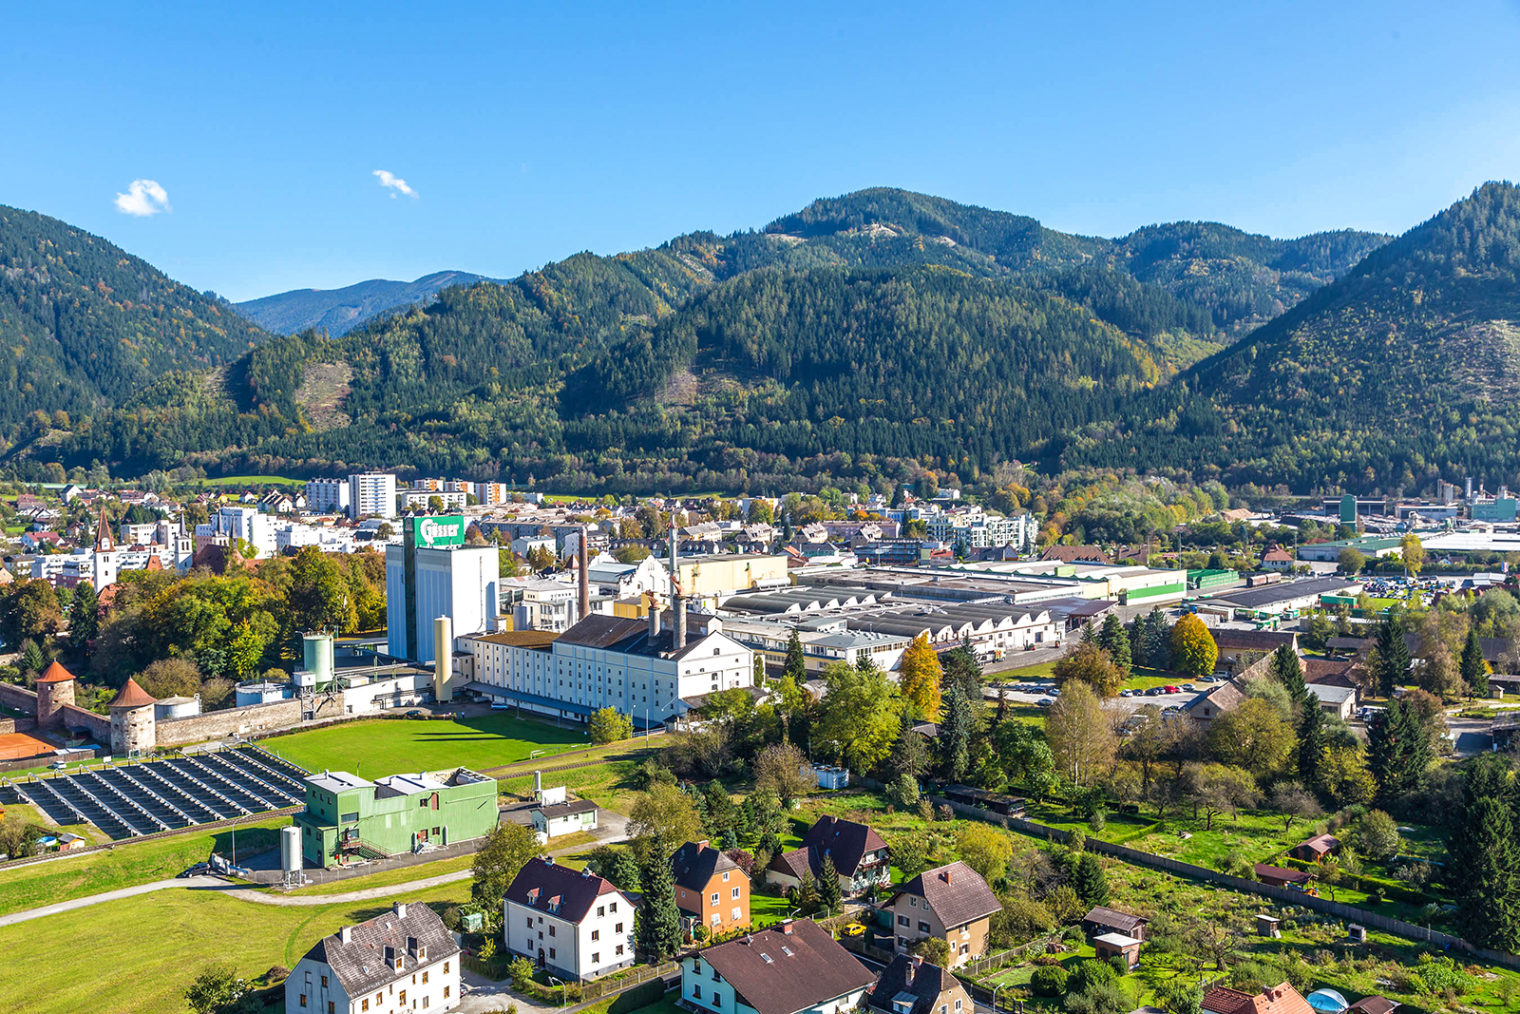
(1285, 895)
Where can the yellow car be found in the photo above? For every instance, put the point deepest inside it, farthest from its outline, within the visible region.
(854, 929)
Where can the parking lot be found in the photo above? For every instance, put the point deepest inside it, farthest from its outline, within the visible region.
(1044, 692)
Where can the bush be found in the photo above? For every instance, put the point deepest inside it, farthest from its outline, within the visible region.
(1119, 964)
(1092, 973)
(1049, 981)
(450, 918)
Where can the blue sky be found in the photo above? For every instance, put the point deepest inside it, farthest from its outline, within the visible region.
(528, 132)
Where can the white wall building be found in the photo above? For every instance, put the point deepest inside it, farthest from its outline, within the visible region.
(418, 499)
(372, 493)
(327, 496)
(572, 923)
(403, 960)
(631, 665)
(460, 582)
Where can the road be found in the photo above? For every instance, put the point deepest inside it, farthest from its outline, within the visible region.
(1122, 703)
(190, 883)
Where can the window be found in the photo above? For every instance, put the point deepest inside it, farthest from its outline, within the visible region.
(619, 951)
(303, 999)
(324, 982)
(734, 894)
(942, 1009)
(737, 914)
(923, 927)
(601, 910)
(957, 1005)
(402, 998)
(612, 907)
(725, 876)
(696, 992)
(596, 957)
(696, 966)
(330, 1008)
(530, 922)
(618, 928)
(912, 901)
(965, 948)
(446, 989)
(364, 1004)
(715, 897)
(902, 920)
(424, 978)
(551, 930)
(551, 952)
(445, 967)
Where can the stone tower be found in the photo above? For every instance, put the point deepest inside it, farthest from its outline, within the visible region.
(132, 726)
(55, 688)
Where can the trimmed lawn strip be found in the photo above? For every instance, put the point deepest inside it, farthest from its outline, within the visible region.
(126, 865)
(386, 746)
(142, 952)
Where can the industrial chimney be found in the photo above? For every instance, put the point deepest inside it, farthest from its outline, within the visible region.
(654, 617)
(443, 659)
(583, 577)
(677, 600)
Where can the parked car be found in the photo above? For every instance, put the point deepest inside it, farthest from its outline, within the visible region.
(196, 870)
(1045, 702)
(1172, 690)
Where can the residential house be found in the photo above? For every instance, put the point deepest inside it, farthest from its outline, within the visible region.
(860, 856)
(1100, 920)
(797, 969)
(1337, 700)
(911, 985)
(1316, 848)
(1279, 999)
(401, 960)
(1225, 697)
(1238, 647)
(950, 902)
(572, 923)
(1277, 558)
(711, 889)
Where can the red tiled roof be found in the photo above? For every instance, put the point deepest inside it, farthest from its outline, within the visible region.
(56, 673)
(133, 696)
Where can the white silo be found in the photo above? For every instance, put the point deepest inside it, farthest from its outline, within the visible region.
(290, 854)
(443, 659)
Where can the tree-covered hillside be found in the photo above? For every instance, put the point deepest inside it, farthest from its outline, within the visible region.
(1405, 369)
(84, 325)
(873, 335)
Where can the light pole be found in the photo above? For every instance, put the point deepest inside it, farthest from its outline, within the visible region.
(995, 987)
(564, 996)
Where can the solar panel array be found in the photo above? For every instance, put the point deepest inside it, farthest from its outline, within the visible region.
(137, 799)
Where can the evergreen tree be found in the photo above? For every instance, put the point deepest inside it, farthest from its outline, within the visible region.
(1287, 671)
(963, 670)
(805, 894)
(1398, 752)
(1484, 861)
(32, 660)
(795, 667)
(1391, 658)
(1113, 639)
(84, 616)
(1138, 645)
(955, 731)
(658, 920)
(1158, 638)
(830, 895)
(910, 757)
(1311, 748)
(1089, 880)
(1472, 667)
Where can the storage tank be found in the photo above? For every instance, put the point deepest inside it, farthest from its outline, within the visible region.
(290, 852)
(443, 659)
(261, 692)
(317, 657)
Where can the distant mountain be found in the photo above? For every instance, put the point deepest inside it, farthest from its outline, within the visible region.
(1406, 369)
(339, 311)
(84, 325)
(865, 336)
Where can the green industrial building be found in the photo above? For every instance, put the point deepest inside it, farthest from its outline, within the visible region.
(348, 819)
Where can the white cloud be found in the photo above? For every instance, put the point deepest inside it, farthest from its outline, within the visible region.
(395, 184)
(143, 198)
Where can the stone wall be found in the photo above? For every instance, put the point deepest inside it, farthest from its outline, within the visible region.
(98, 726)
(18, 699)
(10, 725)
(253, 720)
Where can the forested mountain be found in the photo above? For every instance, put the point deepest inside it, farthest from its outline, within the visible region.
(339, 311)
(1405, 369)
(866, 337)
(83, 324)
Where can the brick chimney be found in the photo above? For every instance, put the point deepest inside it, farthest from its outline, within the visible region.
(945, 874)
(786, 927)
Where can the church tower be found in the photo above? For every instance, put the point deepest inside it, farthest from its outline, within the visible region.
(107, 556)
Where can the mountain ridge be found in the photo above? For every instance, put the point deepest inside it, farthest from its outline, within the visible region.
(340, 310)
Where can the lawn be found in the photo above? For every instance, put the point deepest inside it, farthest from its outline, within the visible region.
(384, 878)
(127, 864)
(253, 480)
(388, 746)
(89, 832)
(606, 778)
(138, 954)
(1258, 837)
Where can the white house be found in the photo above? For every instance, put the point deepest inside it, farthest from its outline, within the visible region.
(402, 960)
(554, 814)
(797, 969)
(573, 923)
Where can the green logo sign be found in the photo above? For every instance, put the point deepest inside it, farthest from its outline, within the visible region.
(428, 533)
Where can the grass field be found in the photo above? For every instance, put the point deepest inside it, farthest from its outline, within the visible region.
(253, 480)
(388, 746)
(138, 954)
(608, 784)
(125, 865)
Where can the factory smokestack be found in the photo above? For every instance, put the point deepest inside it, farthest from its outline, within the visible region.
(583, 576)
(677, 600)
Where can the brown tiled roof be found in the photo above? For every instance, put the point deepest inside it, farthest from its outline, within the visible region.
(694, 864)
(1232, 639)
(793, 863)
(1332, 672)
(1266, 871)
(777, 972)
(1319, 844)
(925, 981)
(56, 673)
(133, 696)
(846, 841)
(542, 883)
(955, 892)
(1279, 999)
(1374, 1005)
(1223, 1000)
(360, 964)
